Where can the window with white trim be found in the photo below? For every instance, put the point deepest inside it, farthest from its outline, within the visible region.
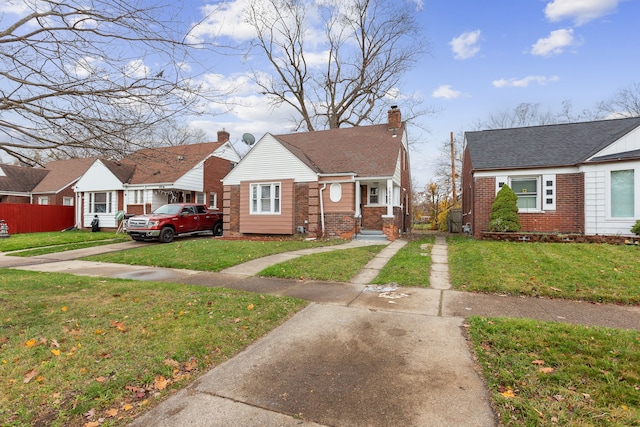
(43, 200)
(622, 193)
(100, 202)
(213, 200)
(265, 198)
(200, 198)
(374, 195)
(535, 193)
(67, 201)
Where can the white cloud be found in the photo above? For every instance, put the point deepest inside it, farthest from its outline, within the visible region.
(525, 82)
(18, 7)
(446, 92)
(419, 4)
(555, 44)
(223, 19)
(580, 11)
(465, 45)
(137, 69)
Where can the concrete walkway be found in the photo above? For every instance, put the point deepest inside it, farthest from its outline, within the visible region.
(359, 355)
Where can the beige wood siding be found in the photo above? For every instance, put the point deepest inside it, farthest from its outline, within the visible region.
(266, 223)
(346, 202)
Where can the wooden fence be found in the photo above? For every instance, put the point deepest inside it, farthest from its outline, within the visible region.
(25, 218)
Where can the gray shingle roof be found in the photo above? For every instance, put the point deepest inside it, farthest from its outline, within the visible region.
(20, 179)
(544, 146)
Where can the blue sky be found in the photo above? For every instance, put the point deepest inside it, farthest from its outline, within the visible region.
(488, 56)
(485, 56)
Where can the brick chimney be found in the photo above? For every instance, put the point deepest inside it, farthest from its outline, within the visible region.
(223, 136)
(394, 118)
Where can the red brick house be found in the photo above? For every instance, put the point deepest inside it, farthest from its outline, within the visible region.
(151, 177)
(337, 183)
(569, 178)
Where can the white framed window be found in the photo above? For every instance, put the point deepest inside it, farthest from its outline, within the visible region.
(213, 200)
(43, 200)
(187, 197)
(374, 195)
(622, 193)
(526, 188)
(535, 193)
(101, 202)
(67, 201)
(138, 197)
(265, 198)
(200, 198)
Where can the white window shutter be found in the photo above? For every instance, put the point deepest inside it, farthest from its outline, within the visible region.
(549, 192)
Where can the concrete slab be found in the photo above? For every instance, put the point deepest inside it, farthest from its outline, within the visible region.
(405, 300)
(325, 292)
(335, 365)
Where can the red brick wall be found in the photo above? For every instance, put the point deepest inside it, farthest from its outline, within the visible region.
(342, 225)
(215, 169)
(567, 218)
(372, 217)
(301, 205)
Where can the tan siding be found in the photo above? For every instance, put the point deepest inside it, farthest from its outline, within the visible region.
(346, 202)
(267, 224)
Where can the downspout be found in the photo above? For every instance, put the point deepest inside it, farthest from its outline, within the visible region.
(324, 186)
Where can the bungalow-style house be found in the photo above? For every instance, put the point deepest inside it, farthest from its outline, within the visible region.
(17, 183)
(151, 177)
(335, 183)
(569, 178)
(50, 185)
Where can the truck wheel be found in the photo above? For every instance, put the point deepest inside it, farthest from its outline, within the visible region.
(217, 229)
(167, 234)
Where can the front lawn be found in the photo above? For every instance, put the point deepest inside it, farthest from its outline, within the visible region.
(76, 350)
(31, 244)
(548, 374)
(410, 266)
(206, 254)
(589, 271)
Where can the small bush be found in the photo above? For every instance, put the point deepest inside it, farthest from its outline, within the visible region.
(504, 211)
(636, 228)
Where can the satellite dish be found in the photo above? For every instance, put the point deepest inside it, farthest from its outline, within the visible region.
(248, 139)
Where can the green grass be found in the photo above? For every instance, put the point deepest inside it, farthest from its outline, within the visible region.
(410, 266)
(590, 272)
(339, 266)
(74, 345)
(57, 241)
(206, 254)
(544, 374)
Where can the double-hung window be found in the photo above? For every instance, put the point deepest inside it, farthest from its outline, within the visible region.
(265, 198)
(100, 202)
(622, 190)
(527, 191)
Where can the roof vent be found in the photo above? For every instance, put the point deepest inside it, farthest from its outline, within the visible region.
(180, 157)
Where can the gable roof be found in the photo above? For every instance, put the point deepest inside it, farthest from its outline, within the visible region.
(565, 144)
(167, 164)
(62, 173)
(368, 151)
(20, 179)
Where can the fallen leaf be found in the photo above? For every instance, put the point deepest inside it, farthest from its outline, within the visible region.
(112, 412)
(161, 382)
(250, 307)
(54, 343)
(101, 379)
(127, 407)
(98, 332)
(119, 325)
(508, 394)
(55, 352)
(29, 376)
(64, 308)
(538, 362)
(30, 343)
(92, 424)
(4, 340)
(90, 413)
(191, 364)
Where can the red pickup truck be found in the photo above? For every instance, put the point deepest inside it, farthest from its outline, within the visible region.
(172, 220)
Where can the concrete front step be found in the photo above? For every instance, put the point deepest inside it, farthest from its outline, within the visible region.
(371, 235)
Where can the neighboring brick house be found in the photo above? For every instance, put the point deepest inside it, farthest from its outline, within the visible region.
(333, 183)
(569, 178)
(151, 177)
(17, 183)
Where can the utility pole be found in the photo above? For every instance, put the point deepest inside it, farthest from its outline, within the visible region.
(453, 170)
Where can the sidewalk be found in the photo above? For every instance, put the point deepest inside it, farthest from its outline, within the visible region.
(359, 355)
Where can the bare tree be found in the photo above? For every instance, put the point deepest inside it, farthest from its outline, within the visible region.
(625, 103)
(344, 74)
(89, 75)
